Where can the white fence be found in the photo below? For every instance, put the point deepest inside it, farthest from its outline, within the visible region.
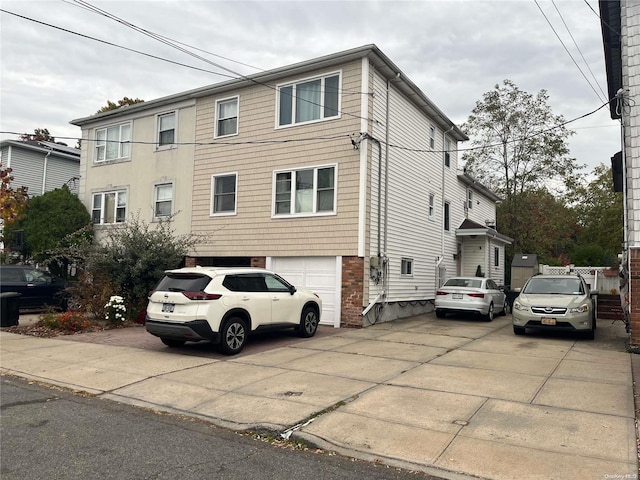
(594, 276)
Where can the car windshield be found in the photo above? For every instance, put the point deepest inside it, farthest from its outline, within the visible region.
(554, 286)
(463, 282)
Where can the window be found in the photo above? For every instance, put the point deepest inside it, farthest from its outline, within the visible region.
(163, 200)
(112, 143)
(431, 204)
(309, 100)
(406, 266)
(446, 216)
(167, 129)
(447, 153)
(109, 207)
(223, 194)
(470, 199)
(432, 137)
(305, 191)
(227, 117)
(496, 257)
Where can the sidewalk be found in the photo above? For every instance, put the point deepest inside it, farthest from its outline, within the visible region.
(455, 398)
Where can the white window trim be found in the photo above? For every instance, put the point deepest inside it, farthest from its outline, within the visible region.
(213, 192)
(293, 104)
(155, 199)
(118, 159)
(448, 203)
(315, 192)
(432, 137)
(496, 257)
(470, 199)
(175, 131)
(117, 191)
(408, 261)
(447, 153)
(215, 125)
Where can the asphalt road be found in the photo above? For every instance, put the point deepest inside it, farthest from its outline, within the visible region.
(51, 433)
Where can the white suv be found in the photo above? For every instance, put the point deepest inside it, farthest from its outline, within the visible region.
(225, 305)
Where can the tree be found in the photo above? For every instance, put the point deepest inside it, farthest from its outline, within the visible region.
(590, 255)
(121, 103)
(518, 145)
(599, 211)
(13, 202)
(39, 135)
(48, 219)
(134, 256)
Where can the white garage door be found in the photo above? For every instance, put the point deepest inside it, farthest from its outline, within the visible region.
(321, 275)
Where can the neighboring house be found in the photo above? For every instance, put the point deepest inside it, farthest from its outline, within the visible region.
(337, 172)
(621, 38)
(41, 166)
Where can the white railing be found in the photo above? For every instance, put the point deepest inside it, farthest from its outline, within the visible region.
(592, 275)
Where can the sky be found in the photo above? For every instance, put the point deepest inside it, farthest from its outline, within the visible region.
(454, 51)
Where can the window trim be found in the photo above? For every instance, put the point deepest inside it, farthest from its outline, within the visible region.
(496, 256)
(102, 194)
(167, 146)
(217, 116)
(322, 77)
(155, 200)
(98, 145)
(315, 212)
(447, 153)
(432, 206)
(470, 199)
(235, 199)
(406, 262)
(432, 137)
(446, 214)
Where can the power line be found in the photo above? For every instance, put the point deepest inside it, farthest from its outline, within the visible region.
(566, 49)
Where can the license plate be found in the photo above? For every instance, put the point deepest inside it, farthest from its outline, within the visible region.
(457, 295)
(548, 321)
(167, 307)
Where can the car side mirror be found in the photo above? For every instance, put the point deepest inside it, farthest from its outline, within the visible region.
(593, 292)
(517, 289)
(292, 290)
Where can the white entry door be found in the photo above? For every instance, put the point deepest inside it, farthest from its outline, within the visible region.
(321, 275)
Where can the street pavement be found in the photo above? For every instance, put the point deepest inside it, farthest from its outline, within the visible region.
(457, 398)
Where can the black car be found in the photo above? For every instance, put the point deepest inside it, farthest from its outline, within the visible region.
(38, 289)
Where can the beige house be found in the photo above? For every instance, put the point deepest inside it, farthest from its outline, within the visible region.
(338, 173)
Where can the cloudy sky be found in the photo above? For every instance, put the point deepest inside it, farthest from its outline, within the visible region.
(454, 51)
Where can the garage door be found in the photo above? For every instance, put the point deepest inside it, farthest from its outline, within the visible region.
(321, 275)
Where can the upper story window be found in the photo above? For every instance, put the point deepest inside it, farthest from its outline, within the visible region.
(447, 220)
(163, 202)
(109, 207)
(432, 201)
(112, 143)
(447, 153)
(223, 194)
(432, 136)
(167, 129)
(309, 100)
(227, 117)
(406, 266)
(470, 199)
(305, 191)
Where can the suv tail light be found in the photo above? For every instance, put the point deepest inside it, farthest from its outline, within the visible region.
(440, 292)
(476, 295)
(201, 295)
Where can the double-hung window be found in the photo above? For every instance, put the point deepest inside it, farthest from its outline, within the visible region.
(447, 153)
(166, 129)
(227, 117)
(406, 267)
(109, 207)
(432, 201)
(446, 217)
(496, 256)
(432, 137)
(305, 191)
(112, 143)
(163, 201)
(223, 194)
(309, 100)
(470, 199)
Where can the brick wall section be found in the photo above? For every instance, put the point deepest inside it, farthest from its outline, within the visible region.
(190, 262)
(352, 288)
(634, 286)
(259, 262)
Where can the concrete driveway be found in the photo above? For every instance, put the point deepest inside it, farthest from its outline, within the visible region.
(453, 397)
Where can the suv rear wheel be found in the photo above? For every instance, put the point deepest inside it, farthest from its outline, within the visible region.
(308, 323)
(233, 336)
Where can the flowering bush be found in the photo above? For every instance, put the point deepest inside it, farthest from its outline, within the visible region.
(115, 311)
(67, 321)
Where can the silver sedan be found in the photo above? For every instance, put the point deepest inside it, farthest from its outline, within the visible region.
(471, 295)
